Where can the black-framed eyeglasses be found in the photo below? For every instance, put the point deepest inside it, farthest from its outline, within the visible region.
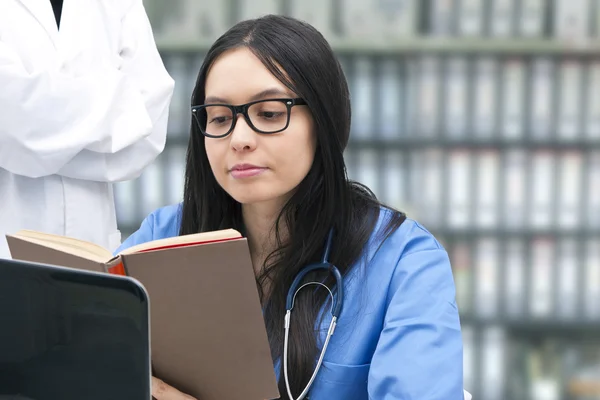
(263, 116)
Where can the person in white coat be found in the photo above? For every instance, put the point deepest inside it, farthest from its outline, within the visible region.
(84, 100)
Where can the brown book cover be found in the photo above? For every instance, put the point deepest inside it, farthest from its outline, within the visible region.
(208, 336)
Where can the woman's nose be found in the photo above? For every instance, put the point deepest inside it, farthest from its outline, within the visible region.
(243, 137)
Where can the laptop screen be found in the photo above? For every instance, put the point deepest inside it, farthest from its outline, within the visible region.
(68, 334)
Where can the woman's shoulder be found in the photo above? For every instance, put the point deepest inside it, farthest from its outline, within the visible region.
(162, 223)
(409, 255)
(396, 232)
(166, 220)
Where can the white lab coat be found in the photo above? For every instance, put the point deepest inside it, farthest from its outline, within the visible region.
(80, 108)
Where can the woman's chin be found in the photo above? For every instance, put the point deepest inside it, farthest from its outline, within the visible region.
(251, 199)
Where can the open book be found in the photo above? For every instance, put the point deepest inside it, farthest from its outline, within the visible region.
(80, 254)
(208, 336)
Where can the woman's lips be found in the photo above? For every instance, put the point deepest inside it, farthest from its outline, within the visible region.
(246, 171)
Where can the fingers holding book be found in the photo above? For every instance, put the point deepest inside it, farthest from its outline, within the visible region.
(163, 391)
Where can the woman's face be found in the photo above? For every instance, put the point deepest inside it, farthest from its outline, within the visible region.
(254, 167)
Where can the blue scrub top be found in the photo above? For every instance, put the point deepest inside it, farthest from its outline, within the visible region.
(398, 336)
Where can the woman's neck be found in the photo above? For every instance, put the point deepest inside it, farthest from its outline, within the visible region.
(259, 221)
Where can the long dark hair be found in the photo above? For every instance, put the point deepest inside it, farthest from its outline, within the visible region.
(300, 57)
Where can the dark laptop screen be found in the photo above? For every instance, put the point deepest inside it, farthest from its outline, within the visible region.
(67, 334)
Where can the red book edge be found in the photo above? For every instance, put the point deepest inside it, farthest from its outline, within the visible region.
(119, 269)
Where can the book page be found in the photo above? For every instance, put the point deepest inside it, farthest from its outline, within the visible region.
(66, 244)
(196, 238)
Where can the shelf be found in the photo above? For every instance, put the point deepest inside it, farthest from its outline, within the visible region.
(406, 143)
(533, 326)
(472, 143)
(442, 45)
(525, 233)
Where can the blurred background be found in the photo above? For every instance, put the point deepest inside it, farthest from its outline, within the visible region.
(480, 119)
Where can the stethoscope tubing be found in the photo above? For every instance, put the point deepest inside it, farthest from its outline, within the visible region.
(336, 308)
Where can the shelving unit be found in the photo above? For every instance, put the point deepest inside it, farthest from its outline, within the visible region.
(492, 142)
(424, 45)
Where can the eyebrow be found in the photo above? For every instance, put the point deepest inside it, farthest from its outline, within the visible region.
(258, 96)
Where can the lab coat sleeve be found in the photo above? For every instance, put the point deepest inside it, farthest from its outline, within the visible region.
(84, 125)
(419, 354)
(132, 147)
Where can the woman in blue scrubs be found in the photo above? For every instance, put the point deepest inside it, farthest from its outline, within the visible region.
(271, 119)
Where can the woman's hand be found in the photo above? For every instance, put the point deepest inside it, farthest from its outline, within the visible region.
(162, 391)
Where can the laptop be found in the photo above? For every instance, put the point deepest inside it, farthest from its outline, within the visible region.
(68, 334)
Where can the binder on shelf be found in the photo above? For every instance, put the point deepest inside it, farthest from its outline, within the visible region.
(125, 201)
(248, 9)
(542, 185)
(488, 168)
(429, 91)
(201, 20)
(513, 102)
(518, 372)
(462, 265)
(542, 95)
(592, 88)
(456, 104)
(515, 278)
(571, 20)
(443, 18)
(503, 18)
(395, 180)
(151, 182)
(318, 13)
(176, 173)
(485, 103)
(415, 175)
(570, 190)
(368, 169)
(392, 98)
(179, 108)
(591, 298)
(592, 214)
(374, 19)
(459, 198)
(488, 275)
(471, 17)
(595, 25)
(493, 355)
(570, 116)
(541, 296)
(430, 183)
(514, 193)
(531, 23)
(363, 112)
(413, 96)
(568, 280)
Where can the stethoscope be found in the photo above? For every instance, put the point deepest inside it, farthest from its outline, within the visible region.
(336, 308)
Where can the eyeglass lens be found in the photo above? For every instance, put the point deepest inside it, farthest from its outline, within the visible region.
(267, 117)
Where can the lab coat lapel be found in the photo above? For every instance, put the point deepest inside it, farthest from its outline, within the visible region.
(42, 11)
(79, 35)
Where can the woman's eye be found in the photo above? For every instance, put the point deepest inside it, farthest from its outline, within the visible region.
(218, 120)
(270, 114)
